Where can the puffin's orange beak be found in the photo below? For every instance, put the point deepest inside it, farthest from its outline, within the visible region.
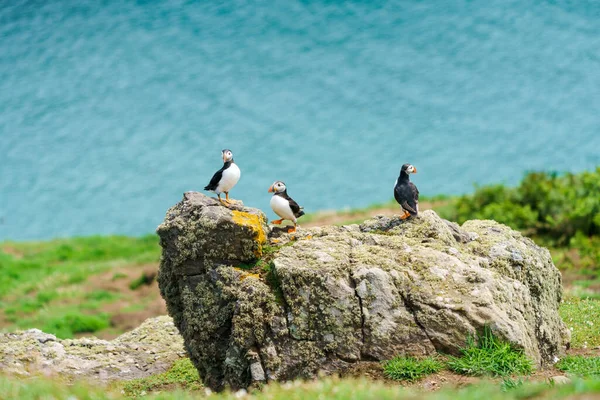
(415, 170)
(271, 189)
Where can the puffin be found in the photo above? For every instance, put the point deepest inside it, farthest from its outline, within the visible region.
(224, 179)
(406, 193)
(283, 205)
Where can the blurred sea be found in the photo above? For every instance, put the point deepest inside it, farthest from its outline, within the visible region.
(109, 110)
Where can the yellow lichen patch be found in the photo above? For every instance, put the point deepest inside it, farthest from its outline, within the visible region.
(249, 275)
(253, 222)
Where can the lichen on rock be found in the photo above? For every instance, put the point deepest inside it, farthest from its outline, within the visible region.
(336, 296)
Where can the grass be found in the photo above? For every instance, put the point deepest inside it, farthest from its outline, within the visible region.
(327, 388)
(510, 384)
(582, 317)
(580, 366)
(182, 375)
(143, 279)
(581, 289)
(101, 295)
(490, 357)
(411, 369)
(74, 322)
(45, 284)
(26, 266)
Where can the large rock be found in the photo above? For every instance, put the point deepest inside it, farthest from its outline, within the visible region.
(322, 299)
(149, 349)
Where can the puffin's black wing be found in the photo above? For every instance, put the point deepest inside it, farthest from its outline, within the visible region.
(415, 191)
(296, 209)
(412, 203)
(398, 193)
(214, 182)
(407, 195)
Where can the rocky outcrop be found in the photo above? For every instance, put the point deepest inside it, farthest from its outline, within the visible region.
(149, 349)
(255, 305)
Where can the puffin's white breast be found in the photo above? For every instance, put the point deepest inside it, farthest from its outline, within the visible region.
(230, 177)
(282, 208)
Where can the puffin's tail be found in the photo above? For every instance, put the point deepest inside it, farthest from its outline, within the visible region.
(300, 213)
(209, 187)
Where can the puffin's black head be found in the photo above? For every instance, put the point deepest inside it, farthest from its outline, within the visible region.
(227, 155)
(409, 169)
(277, 187)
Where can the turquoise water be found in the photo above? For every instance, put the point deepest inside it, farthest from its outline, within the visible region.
(110, 110)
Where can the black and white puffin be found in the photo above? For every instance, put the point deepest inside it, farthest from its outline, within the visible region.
(284, 205)
(225, 178)
(406, 193)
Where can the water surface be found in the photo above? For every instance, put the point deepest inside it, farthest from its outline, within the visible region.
(109, 110)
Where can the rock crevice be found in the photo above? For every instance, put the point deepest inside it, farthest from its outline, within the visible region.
(335, 296)
(360, 307)
(411, 309)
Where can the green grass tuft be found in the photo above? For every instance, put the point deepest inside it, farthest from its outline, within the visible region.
(65, 326)
(118, 275)
(143, 279)
(490, 356)
(582, 319)
(182, 375)
(411, 369)
(581, 366)
(101, 295)
(510, 384)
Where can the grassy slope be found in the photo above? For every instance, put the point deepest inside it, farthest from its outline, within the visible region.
(71, 286)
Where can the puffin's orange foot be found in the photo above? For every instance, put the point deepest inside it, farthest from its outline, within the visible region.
(405, 215)
(277, 221)
(228, 199)
(292, 229)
